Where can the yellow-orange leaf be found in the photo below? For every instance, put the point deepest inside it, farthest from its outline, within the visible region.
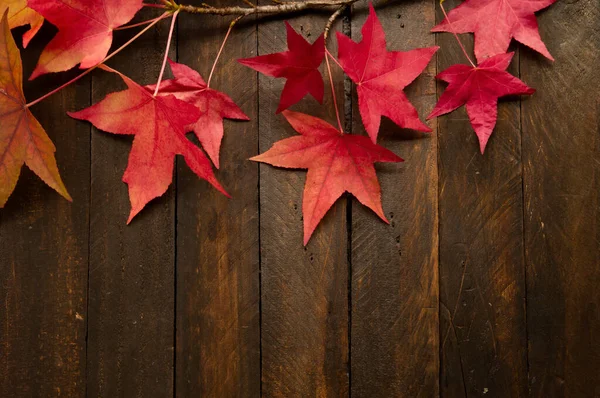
(22, 138)
(19, 14)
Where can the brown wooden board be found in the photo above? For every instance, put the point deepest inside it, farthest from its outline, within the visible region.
(131, 276)
(482, 274)
(304, 329)
(44, 253)
(394, 335)
(218, 330)
(561, 157)
(207, 296)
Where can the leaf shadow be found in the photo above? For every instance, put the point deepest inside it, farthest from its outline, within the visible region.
(389, 131)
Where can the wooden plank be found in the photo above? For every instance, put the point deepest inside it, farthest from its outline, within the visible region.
(394, 336)
(482, 274)
(304, 290)
(44, 253)
(561, 155)
(218, 329)
(131, 280)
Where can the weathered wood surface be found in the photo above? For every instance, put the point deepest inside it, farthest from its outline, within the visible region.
(218, 294)
(304, 290)
(44, 256)
(131, 267)
(394, 292)
(485, 283)
(561, 170)
(483, 343)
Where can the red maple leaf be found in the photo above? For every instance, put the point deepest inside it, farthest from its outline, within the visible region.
(299, 65)
(479, 88)
(158, 124)
(22, 138)
(19, 14)
(213, 105)
(85, 31)
(495, 23)
(336, 163)
(381, 75)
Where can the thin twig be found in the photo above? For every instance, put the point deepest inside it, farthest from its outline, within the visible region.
(332, 19)
(282, 8)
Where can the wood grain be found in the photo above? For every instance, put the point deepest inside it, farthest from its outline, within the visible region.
(207, 296)
(218, 330)
(561, 153)
(304, 290)
(131, 277)
(482, 274)
(394, 336)
(44, 253)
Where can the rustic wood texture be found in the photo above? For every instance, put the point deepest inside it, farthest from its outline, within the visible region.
(44, 252)
(485, 283)
(561, 157)
(304, 290)
(131, 269)
(482, 272)
(218, 329)
(394, 335)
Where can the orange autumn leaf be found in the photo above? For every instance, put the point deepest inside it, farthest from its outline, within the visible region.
(19, 14)
(22, 138)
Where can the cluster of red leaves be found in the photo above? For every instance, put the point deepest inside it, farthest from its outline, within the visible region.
(159, 117)
(338, 162)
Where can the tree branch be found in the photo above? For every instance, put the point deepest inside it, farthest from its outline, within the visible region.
(289, 6)
(332, 19)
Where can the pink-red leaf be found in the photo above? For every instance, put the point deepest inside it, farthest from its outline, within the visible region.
(495, 23)
(19, 14)
(85, 31)
(299, 65)
(479, 88)
(213, 105)
(381, 75)
(336, 163)
(158, 124)
(22, 138)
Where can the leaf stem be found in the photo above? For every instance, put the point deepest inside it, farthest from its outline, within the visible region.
(154, 5)
(212, 70)
(335, 105)
(164, 63)
(104, 60)
(135, 25)
(333, 58)
(455, 35)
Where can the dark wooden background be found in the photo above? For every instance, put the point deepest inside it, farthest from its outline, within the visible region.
(486, 283)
